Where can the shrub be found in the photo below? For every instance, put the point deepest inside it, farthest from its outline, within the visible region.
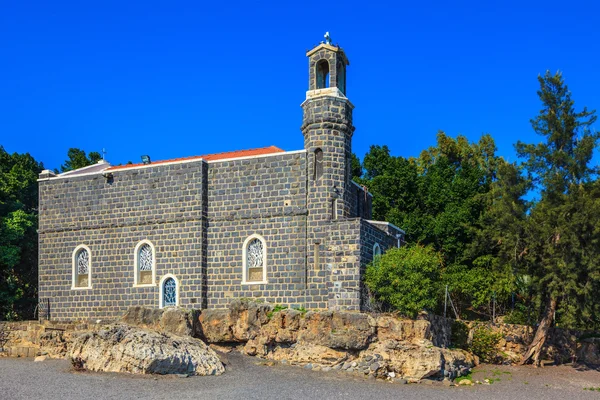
(407, 279)
(484, 343)
(460, 335)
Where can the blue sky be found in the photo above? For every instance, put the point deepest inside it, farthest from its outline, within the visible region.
(173, 79)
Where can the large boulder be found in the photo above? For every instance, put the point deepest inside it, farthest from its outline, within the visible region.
(177, 321)
(215, 326)
(122, 348)
(417, 360)
(337, 330)
(390, 327)
(240, 322)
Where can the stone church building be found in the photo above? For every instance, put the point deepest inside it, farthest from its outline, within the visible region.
(288, 227)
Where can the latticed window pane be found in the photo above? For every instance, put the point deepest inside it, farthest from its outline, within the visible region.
(83, 262)
(145, 258)
(254, 254)
(169, 292)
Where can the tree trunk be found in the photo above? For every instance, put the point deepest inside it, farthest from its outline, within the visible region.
(534, 352)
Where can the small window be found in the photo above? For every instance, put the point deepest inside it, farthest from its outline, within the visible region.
(334, 208)
(144, 264)
(82, 268)
(376, 252)
(169, 291)
(318, 167)
(254, 260)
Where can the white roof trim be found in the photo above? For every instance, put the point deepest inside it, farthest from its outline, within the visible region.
(362, 188)
(83, 168)
(71, 176)
(257, 156)
(386, 223)
(61, 176)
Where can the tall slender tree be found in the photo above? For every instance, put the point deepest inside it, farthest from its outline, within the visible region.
(562, 252)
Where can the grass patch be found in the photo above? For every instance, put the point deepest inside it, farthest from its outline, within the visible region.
(276, 309)
(469, 376)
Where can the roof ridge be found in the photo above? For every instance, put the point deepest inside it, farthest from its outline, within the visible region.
(208, 157)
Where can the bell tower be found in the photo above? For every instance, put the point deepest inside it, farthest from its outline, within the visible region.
(327, 129)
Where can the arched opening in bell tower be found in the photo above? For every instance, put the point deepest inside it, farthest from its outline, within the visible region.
(341, 77)
(322, 74)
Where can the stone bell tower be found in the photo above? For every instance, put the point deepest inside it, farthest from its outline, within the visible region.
(327, 129)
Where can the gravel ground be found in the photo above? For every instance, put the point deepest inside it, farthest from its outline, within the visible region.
(249, 378)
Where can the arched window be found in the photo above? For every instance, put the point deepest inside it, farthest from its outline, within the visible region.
(254, 260)
(318, 166)
(169, 291)
(82, 268)
(376, 252)
(145, 264)
(322, 74)
(341, 77)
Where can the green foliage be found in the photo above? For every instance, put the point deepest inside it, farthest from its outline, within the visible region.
(18, 237)
(356, 167)
(460, 335)
(276, 309)
(302, 310)
(563, 231)
(407, 279)
(484, 343)
(463, 200)
(78, 159)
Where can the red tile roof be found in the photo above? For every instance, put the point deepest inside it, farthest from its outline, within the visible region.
(209, 157)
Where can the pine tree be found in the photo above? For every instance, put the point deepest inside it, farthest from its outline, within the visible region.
(562, 251)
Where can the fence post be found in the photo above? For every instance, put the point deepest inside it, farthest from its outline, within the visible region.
(445, 301)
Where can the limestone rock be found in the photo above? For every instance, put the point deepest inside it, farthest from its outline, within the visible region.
(303, 354)
(248, 317)
(283, 327)
(215, 326)
(54, 343)
(419, 360)
(177, 321)
(336, 330)
(390, 327)
(121, 348)
(241, 322)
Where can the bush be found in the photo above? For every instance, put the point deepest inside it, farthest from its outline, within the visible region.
(407, 279)
(460, 335)
(484, 343)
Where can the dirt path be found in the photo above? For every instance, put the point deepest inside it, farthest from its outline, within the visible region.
(248, 378)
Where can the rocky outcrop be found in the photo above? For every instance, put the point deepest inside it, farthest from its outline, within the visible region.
(589, 351)
(177, 321)
(122, 348)
(380, 345)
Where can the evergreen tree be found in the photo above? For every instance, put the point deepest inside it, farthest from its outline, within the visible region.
(563, 239)
(78, 159)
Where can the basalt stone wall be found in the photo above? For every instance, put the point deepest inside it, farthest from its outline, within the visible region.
(266, 196)
(165, 204)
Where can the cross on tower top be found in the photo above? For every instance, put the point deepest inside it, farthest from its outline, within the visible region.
(327, 38)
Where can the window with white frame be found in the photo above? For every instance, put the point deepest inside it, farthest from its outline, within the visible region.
(144, 264)
(82, 268)
(169, 291)
(254, 260)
